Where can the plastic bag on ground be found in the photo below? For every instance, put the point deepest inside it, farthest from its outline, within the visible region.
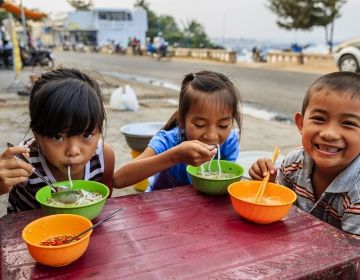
(124, 99)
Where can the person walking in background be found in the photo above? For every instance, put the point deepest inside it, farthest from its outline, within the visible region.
(255, 54)
(7, 53)
(66, 117)
(209, 107)
(325, 172)
(136, 47)
(150, 48)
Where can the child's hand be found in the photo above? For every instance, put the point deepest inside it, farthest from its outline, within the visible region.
(13, 171)
(195, 152)
(260, 168)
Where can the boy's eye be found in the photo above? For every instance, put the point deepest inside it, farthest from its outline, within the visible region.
(351, 123)
(317, 118)
(58, 137)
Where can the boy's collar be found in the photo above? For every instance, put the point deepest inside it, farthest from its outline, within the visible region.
(307, 165)
(347, 179)
(343, 182)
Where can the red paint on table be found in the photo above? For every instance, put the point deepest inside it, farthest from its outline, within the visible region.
(179, 233)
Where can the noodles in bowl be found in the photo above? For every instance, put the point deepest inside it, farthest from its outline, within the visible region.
(207, 172)
(214, 182)
(88, 205)
(83, 197)
(215, 175)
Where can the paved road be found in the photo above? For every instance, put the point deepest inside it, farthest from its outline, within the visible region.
(279, 91)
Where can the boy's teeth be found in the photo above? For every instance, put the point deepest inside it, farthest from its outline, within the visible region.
(328, 148)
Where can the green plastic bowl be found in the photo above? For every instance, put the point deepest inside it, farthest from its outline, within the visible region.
(215, 186)
(89, 211)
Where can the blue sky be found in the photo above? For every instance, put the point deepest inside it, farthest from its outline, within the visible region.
(228, 18)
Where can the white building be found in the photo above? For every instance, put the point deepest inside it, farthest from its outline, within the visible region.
(99, 26)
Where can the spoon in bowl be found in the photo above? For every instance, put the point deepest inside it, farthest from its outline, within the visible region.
(94, 226)
(61, 194)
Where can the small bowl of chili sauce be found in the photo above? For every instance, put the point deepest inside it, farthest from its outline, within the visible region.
(47, 239)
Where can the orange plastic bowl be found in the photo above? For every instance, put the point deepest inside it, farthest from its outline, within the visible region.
(276, 203)
(55, 225)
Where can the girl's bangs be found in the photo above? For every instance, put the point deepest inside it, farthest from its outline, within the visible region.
(72, 113)
(218, 100)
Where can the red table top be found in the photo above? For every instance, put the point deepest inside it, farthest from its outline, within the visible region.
(179, 233)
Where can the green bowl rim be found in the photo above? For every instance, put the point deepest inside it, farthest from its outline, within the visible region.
(218, 180)
(73, 207)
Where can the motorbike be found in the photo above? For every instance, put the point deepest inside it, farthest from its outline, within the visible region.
(43, 58)
(6, 58)
(162, 52)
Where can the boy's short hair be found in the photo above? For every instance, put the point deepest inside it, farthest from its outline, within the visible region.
(336, 82)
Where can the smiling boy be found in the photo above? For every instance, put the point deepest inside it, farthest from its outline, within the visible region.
(325, 172)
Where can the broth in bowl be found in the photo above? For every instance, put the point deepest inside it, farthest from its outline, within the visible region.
(215, 175)
(215, 182)
(267, 200)
(83, 197)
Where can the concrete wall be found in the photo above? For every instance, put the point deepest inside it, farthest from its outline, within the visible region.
(212, 54)
(279, 57)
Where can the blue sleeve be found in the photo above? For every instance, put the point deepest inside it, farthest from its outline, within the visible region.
(230, 149)
(163, 140)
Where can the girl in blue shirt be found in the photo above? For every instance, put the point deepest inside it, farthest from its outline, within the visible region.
(209, 107)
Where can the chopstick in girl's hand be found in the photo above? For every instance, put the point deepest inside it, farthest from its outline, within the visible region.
(18, 156)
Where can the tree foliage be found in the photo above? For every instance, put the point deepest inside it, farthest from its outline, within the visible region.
(196, 35)
(152, 18)
(192, 35)
(3, 15)
(292, 14)
(168, 26)
(81, 5)
(326, 12)
(306, 14)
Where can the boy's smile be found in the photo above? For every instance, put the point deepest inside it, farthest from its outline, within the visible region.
(327, 148)
(330, 130)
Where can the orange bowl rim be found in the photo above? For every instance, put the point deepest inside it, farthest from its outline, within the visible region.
(84, 237)
(263, 204)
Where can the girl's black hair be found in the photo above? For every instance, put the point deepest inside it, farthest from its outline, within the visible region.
(68, 101)
(336, 82)
(198, 87)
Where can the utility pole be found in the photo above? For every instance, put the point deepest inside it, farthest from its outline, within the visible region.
(224, 29)
(16, 85)
(23, 22)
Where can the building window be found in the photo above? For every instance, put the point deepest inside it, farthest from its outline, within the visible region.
(115, 16)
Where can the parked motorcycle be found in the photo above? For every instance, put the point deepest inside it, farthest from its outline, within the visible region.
(162, 52)
(6, 54)
(43, 58)
(6, 58)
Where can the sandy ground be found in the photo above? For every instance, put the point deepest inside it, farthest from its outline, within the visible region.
(156, 104)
